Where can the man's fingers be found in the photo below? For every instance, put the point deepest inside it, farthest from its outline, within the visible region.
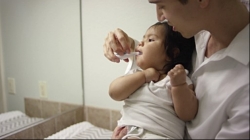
(123, 40)
(116, 42)
(108, 48)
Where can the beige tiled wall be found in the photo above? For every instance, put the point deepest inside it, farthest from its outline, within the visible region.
(45, 108)
(33, 107)
(101, 117)
(104, 118)
(50, 126)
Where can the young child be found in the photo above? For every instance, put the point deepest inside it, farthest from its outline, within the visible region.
(159, 96)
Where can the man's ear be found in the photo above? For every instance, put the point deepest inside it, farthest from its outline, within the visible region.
(204, 3)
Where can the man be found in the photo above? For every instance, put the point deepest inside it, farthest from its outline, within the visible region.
(221, 67)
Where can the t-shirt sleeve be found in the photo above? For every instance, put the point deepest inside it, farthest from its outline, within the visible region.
(188, 80)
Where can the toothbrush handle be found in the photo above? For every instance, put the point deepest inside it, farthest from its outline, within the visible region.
(125, 56)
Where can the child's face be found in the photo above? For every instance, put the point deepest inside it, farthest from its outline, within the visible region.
(152, 49)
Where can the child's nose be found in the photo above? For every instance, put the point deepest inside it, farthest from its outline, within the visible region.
(141, 44)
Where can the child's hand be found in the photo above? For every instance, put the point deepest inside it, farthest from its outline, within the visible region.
(177, 75)
(151, 74)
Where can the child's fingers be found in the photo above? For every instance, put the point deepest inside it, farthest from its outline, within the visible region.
(119, 132)
(172, 73)
(178, 66)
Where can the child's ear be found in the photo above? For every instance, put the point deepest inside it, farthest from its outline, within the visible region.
(176, 52)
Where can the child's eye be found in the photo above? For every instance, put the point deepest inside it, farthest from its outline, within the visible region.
(150, 40)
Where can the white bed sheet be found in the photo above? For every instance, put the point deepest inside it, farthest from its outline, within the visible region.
(13, 120)
(82, 130)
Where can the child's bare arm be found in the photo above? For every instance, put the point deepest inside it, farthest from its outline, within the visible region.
(183, 96)
(124, 86)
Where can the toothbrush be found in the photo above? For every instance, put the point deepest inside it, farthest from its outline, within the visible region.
(127, 55)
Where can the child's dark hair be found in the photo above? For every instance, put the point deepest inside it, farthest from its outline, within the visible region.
(175, 40)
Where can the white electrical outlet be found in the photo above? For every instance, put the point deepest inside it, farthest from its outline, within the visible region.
(43, 89)
(11, 86)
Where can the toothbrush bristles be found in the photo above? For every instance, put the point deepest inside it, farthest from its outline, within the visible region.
(138, 53)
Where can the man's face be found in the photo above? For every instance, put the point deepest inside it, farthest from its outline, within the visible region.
(183, 17)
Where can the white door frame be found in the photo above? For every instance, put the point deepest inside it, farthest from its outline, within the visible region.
(3, 107)
(2, 85)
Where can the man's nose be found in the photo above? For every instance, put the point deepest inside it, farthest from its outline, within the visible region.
(160, 15)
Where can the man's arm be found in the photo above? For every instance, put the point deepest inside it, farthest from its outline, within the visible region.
(237, 124)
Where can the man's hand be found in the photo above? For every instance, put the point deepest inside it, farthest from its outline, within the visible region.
(117, 41)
